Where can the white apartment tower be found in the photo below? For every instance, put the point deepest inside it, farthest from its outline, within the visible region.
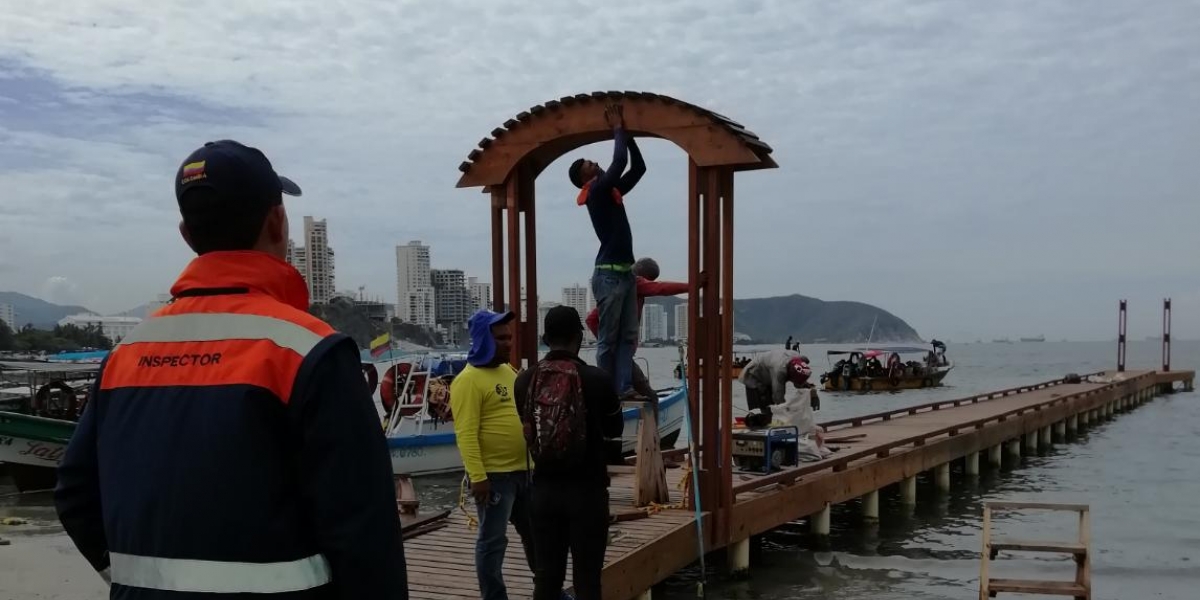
(681, 321)
(481, 294)
(318, 261)
(314, 260)
(654, 323)
(8, 315)
(415, 299)
(580, 298)
(296, 257)
(577, 297)
(452, 300)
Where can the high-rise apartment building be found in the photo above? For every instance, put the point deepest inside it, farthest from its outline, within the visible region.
(452, 299)
(314, 260)
(580, 298)
(481, 294)
(654, 323)
(577, 297)
(415, 299)
(319, 272)
(9, 316)
(681, 321)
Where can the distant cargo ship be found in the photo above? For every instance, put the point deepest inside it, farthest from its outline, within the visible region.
(1040, 338)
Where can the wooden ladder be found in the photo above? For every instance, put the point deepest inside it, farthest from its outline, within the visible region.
(1080, 589)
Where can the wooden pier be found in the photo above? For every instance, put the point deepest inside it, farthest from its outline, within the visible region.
(888, 448)
(894, 448)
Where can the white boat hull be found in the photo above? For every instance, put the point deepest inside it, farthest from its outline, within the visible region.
(433, 451)
(35, 453)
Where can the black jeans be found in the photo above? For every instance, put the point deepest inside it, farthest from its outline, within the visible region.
(569, 516)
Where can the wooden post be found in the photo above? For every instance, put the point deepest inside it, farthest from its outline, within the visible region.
(497, 249)
(650, 477)
(725, 181)
(514, 265)
(527, 204)
(407, 501)
(713, 343)
(695, 332)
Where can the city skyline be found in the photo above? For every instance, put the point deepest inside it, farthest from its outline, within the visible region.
(978, 170)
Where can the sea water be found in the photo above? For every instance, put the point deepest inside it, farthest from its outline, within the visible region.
(1140, 473)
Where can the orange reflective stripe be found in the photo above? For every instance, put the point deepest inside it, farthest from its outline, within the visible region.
(260, 363)
(239, 339)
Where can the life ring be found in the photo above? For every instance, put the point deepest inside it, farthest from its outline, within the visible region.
(372, 376)
(45, 406)
(927, 382)
(395, 378)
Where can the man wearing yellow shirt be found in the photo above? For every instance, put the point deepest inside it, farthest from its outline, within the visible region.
(491, 440)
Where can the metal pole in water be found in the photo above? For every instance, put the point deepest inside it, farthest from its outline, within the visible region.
(1121, 338)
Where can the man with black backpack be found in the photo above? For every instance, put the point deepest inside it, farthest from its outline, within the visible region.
(568, 408)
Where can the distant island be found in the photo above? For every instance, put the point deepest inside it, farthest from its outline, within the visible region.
(762, 320)
(809, 320)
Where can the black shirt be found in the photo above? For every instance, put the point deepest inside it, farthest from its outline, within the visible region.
(603, 417)
(608, 218)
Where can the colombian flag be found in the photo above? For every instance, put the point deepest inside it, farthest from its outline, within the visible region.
(195, 168)
(380, 345)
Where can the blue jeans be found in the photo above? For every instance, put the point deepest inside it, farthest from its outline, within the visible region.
(616, 304)
(508, 503)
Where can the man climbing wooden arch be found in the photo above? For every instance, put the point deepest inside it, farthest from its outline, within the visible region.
(506, 164)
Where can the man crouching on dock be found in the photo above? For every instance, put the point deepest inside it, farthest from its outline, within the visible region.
(766, 378)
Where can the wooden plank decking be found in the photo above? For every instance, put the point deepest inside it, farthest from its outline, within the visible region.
(441, 564)
(886, 448)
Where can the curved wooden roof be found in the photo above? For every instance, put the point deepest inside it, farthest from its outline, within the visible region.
(539, 136)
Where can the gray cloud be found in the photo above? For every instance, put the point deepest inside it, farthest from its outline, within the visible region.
(1000, 169)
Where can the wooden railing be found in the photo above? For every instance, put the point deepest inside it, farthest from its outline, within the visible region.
(843, 459)
(920, 408)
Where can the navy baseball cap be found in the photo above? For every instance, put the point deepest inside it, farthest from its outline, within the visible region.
(236, 172)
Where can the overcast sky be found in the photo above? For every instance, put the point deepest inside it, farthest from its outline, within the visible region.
(980, 169)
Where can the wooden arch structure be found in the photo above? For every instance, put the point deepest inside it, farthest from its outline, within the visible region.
(506, 164)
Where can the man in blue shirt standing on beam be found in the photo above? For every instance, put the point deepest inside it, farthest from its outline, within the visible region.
(613, 283)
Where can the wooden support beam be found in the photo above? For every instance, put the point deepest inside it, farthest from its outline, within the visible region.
(713, 343)
(650, 483)
(514, 265)
(693, 303)
(528, 205)
(498, 203)
(725, 184)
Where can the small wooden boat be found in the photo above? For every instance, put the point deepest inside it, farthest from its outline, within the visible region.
(863, 371)
(40, 400)
(31, 448)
